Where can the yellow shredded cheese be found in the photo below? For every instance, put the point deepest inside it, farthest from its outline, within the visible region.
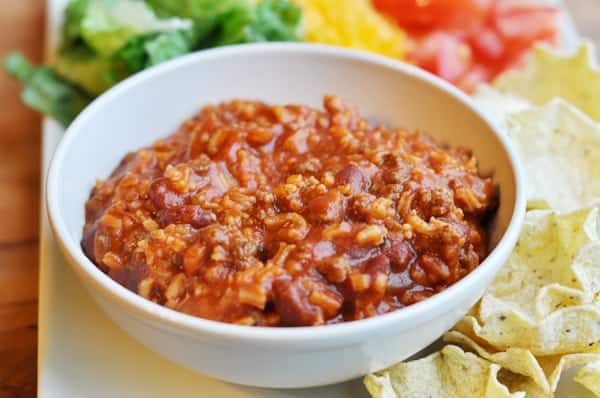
(354, 24)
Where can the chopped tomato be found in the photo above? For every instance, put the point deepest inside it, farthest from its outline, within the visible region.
(487, 44)
(475, 76)
(427, 14)
(521, 27)
(442, 54)
(517, 58)
(468, 42)
(526, 23)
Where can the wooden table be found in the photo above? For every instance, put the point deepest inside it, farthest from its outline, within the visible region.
(22, 27)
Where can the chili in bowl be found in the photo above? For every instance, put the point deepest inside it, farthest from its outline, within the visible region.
(267, 215)
(275, 203)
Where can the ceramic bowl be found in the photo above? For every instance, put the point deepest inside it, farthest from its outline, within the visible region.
(153, 103)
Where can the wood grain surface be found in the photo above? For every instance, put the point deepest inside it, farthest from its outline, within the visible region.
(22, 28)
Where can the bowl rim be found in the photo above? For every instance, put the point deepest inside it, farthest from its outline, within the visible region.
(262, 334)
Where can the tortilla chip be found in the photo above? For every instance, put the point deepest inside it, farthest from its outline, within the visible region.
(545, 372)
(554, 366)
(594, 348)
(574, 78)
(544, 299)
(541, 315)
(380, 386)
(589, 377)
(516, 360)
(559, 142)
(559, 147)
(440, 375)
(499, 105)
(517, 382)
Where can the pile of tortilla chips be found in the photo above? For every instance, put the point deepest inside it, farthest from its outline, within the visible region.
(541, 315)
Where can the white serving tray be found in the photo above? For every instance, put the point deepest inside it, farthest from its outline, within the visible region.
(82, 353)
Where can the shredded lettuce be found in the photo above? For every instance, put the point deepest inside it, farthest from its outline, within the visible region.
(269, 20)
(207, 16)
(167, 46)
(47, 92)
(197, 10)
(107, 24)
(84, 68)
(275, 20)
(141, 52)
(74, 14)
(222, 22)
(105, 41)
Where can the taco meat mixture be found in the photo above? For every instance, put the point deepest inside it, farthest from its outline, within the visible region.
(289, 216)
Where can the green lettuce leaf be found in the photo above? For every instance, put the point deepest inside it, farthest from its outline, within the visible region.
(274, 20)
(105, 41)
(269, 20)
(206, 14)
(198, 10)
(234, 25)
(74, 14)
(46, 91)
(130, 58)
(215, 24)
(168, 45)
(84, 68)
(141, 52)
(222, 22)
(106, 25)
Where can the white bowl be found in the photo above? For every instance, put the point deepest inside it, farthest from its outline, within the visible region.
(152, 104)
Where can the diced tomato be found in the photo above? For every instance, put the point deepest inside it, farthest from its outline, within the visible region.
(468, 42)
(487, 44)
(477, 75)
(454, 60)
(517, 58)
(520, 27)
(442, 54)
(526, 24)
(427, 14)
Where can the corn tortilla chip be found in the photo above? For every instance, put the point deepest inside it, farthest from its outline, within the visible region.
(440, 375)
(545, 298)
(574, 78)
(541, 315)
(554, 366)
(499, 105)
(589, 377)
(522, 383)
(516, 360)
(559, 147)
(545, 372)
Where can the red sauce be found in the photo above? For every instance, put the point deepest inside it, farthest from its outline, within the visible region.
(287, 216)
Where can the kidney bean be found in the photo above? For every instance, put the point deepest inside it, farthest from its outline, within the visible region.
(378, 265)
(400, 253)
(194, 215)
(162, 195)
(88, 242)
(326, 208)
(354, 176)
(292, 304)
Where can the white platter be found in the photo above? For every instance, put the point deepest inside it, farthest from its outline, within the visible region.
(81, 353)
